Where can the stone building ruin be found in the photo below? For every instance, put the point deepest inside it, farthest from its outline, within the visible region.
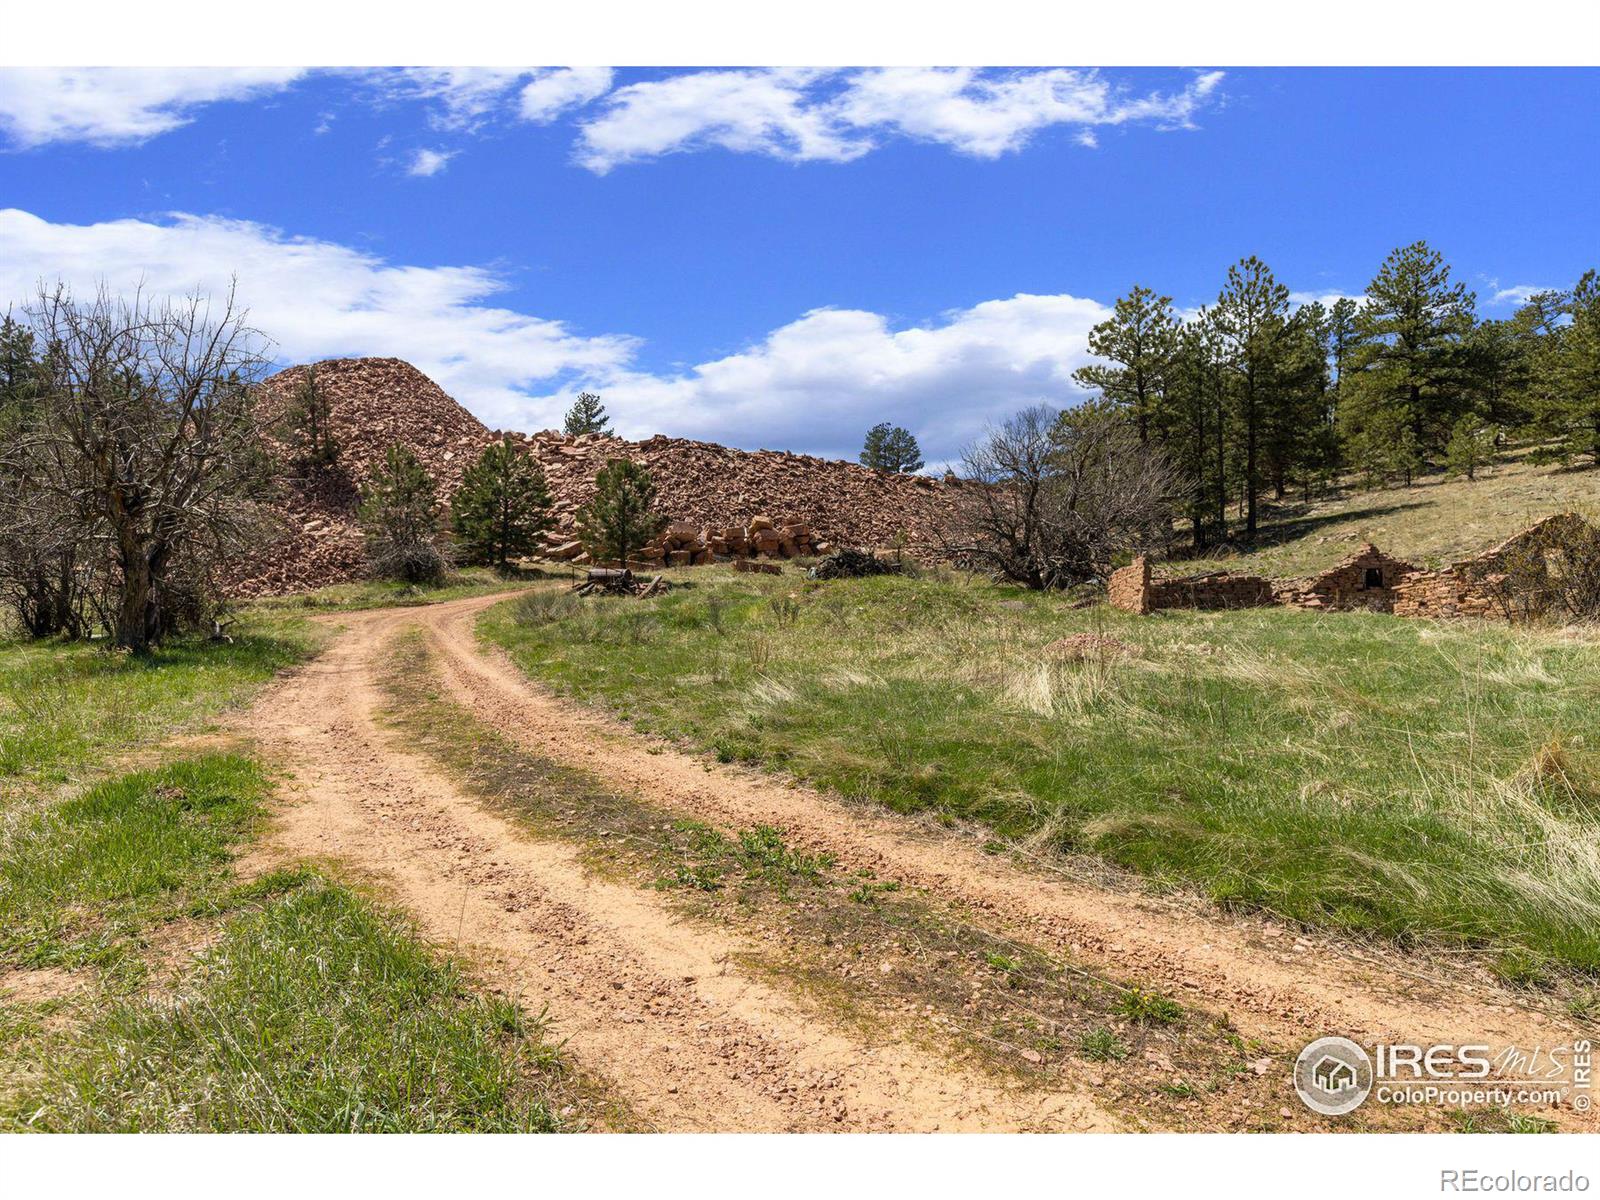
(1511, 581)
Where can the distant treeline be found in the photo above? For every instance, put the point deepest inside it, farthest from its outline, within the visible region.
(1253, 396)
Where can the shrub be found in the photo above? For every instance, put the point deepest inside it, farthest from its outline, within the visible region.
(853, 564)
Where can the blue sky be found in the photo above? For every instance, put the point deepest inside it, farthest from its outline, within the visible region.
(776, 258)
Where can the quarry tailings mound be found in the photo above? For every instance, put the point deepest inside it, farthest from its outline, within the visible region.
(378, 402)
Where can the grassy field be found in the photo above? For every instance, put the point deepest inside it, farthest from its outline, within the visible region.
(65, 706)
(1432, 523)
(309, 1009)
(1396, 779)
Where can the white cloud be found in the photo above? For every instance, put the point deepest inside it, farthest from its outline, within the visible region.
(554, 90)
(764, 111)
(814, 384)
(836, 116)
(1518, 294)
(319, 300)
(986, 114)
(429, 162)
(119, 106)
(819, 382)
(463, 96)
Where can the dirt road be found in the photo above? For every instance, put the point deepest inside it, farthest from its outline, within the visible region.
(657, 1009)
(683, 1038)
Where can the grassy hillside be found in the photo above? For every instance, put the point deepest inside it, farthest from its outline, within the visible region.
(1394, 778)
(1436, 521)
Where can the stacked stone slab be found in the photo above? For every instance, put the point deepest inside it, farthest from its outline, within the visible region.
(1134, 590)
(1364, 580)
(682, 544)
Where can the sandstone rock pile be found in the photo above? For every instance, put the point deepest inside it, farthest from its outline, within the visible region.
(722, 502)
(749, 499)
(374, 403)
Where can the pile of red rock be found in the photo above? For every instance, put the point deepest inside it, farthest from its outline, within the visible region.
(720, 489)
(721, 502)
(682, 544)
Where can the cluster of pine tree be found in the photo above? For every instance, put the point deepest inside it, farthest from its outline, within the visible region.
(1254, 396)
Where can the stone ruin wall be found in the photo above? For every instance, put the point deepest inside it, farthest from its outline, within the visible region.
(1367, 579)
(1482, 586)
(1134, 590)
(1489, 584)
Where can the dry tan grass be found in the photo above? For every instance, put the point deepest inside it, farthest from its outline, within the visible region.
(1434, 522)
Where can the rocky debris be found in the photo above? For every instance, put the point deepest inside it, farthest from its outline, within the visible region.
(853, 564)
(620, 583)
(763, 503)
(722, 502)
(374, 403)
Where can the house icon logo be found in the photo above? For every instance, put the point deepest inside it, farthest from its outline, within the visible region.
(1333, 1076)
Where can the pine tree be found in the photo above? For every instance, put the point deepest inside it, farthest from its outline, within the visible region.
(307, 422)
(1471, 447)
(891, 448)
(1195, 390)
(1252, 319)
(502, 505)
(1568, 406)
(1138, 340)
(621, 516)
(1411, 353)
(587, 415)
(401, 519)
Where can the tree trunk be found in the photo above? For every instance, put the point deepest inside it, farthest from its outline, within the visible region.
(135, 611)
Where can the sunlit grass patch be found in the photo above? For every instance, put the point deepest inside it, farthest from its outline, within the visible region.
(66, 706)
(316, 1014)
(1387, 778)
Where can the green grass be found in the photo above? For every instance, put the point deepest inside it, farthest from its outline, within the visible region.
(391, 593)
(311, 1011)
(65, 707)
(80, 880)
(316, 1014)
(1396, 779)
(1101, 1045)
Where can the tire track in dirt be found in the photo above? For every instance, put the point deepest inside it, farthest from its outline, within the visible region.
(646, 1002)
(1281, 988)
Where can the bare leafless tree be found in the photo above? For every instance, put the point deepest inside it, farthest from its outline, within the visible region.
(1053, 498)
(145, 434)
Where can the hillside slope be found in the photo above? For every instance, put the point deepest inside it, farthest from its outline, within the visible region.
(1434, 522)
